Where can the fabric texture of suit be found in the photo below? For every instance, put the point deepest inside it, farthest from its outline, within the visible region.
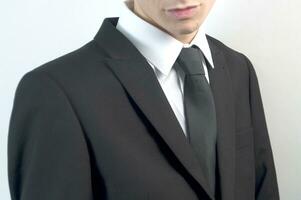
(95, 124)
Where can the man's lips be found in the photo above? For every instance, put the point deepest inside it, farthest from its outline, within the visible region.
(182, 13)
(183, 8)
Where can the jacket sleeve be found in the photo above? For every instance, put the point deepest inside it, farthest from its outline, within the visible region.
(47, 154)
(266, 187)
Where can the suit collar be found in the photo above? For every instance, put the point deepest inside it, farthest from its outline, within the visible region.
(115, 44)
(138, 78)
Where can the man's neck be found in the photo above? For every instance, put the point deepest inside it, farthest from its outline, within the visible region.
(184, 38)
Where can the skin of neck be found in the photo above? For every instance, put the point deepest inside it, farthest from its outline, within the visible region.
(184, 38)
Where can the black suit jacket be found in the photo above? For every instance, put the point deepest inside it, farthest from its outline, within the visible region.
(95, 124)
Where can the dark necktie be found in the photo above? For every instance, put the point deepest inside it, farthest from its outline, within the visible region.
(199, 111)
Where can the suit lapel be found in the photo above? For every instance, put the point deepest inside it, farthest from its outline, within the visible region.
(220, 83)
(139, 80)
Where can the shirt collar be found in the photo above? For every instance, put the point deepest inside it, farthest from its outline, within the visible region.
(157, 46)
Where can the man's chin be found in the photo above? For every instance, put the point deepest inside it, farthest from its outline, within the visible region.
(186, 30)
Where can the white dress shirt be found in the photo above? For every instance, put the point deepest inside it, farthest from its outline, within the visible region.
(161, 51)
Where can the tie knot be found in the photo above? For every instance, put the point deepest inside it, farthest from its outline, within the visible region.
(191, 60)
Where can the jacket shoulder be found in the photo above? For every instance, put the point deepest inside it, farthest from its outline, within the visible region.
(77, 72)
(237, 62)
(228, 51)
(73, 61)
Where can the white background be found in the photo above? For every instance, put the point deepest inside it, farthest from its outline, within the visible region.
(36, 31)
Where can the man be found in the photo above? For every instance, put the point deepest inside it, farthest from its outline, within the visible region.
(125, 117)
